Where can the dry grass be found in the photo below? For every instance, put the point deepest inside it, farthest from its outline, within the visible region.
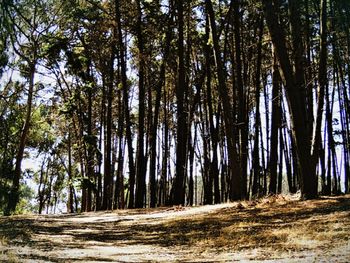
(277, 228)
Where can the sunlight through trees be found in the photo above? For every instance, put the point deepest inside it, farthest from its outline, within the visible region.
(132, 104)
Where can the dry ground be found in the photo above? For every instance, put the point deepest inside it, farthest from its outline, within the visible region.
(275, 229)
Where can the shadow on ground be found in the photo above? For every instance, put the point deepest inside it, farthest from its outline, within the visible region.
(276, 223)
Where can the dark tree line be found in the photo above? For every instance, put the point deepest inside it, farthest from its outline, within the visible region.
(151, 103)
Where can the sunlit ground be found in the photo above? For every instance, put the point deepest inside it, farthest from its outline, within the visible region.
(277, 229)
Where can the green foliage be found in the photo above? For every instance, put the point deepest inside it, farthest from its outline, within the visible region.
(4, 37)
(51, 180)
(41, 138)
(11, 121)
(26, 195)
(41, 135)
(3, 61)
(25, 202)
(75, 46)
(4, 190)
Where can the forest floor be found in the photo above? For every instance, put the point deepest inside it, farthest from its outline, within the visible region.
(274, 229)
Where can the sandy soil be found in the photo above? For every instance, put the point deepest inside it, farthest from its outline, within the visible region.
(275, 229)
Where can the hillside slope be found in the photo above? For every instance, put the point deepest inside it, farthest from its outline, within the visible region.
(275, 229)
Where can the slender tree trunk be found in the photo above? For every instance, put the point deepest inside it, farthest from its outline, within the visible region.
(191, 168)
(322, 154)
(213, 130)
(242, 101)
(181, 131)
(280, 164)
(235, 192)
(163, 189)
(14, 194)
(275, 123)
(267, 129)
(206, 173)
(287, 147)
(42, 186)
(294, 88)
(347, 118)
(322, 80)
(308, 66)
(70, 176)
(122, 62)
(154, 125)
(344, 114)
(256, 156)
(89, 141)
(140, 159)
(119, 187)
(108, 175)
(100, 155)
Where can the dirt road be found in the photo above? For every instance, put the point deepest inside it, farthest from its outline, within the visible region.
(275, 229)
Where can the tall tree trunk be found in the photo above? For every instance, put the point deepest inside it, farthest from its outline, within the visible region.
(70, 176)
(275, 123)
(14, 194)
(295, 95)
(322, 85)
(242, 101)
(256, 156)
(181, 130)
(108, 175)
(214, 171)
(323, 165)
(42, 186)
(100, 155)
(155, 121)
(308, 72)
(191, 168)
(90, 142)
(140, 159)
(280, 164)
(287, 150)
(163, 188)
(122, 61)
(119, 186)
(235, 187)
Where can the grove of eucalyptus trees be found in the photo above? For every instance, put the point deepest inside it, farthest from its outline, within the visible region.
(145, 103)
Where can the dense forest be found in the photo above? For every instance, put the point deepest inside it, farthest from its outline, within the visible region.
(146, 103)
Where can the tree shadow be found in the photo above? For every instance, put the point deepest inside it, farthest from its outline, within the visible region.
(232, 227)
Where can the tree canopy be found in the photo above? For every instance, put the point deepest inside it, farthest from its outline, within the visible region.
(149, 103)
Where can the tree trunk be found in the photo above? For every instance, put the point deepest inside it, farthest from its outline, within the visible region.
(163, 187)
(256, 156)
(122, 62)
(296, 99)
(70, 176)
(108, 175)
(235, 187)
(89, 141)
(181, 130)
(140, 159)
(242, 101)
(14, 194)
(275, 123)
(322, 85)
(119, 186)
(154, 124)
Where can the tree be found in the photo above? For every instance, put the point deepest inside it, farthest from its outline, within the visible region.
(181, 131)
(30, 24)
(209, 100)
(294, 85)
(141, 159)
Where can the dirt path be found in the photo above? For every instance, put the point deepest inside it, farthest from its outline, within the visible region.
(277, 229)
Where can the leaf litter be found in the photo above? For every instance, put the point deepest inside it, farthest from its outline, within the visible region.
(271, 229)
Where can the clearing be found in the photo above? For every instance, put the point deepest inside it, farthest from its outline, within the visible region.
(274, 229)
